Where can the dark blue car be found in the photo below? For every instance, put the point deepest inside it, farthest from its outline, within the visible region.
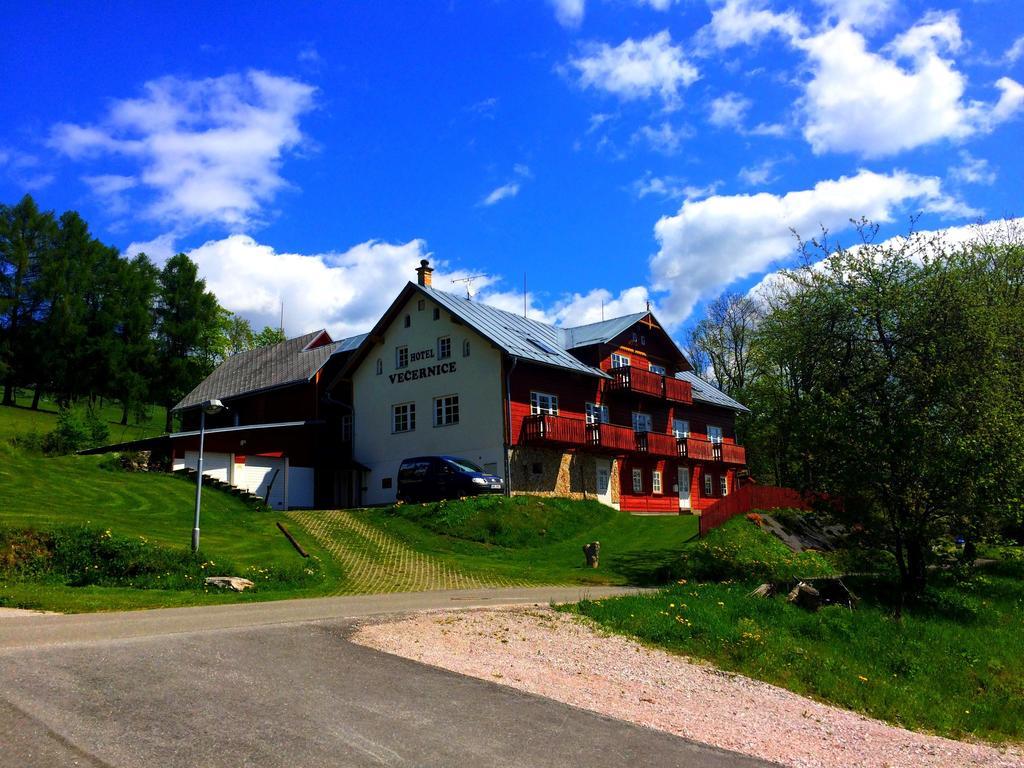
(426, 478)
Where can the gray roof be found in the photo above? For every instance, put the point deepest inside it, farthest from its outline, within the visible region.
(706, 393)
(527, 339)
(267, 368)
(599, 333)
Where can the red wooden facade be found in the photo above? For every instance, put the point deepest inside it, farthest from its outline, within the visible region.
(633, 397)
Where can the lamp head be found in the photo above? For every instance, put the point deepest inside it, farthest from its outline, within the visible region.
(213, 406)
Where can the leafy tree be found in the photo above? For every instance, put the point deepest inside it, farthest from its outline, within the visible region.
(26, 237)
(238, 334)
(268, 337)
(135, 358)
(188, 331)
(892, 372)
(724, 338)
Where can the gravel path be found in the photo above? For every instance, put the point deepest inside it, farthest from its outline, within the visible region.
(375, 562)
(567, 659)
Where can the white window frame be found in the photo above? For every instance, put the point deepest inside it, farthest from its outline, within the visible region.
(715, 434)
(646, 418)
(684, 431)
(656, 481)
(543, 402)
(596, 413)
(402, 356)
(444, 347)
(408, 412)
(723, 484)
(638, 480)
(709, 487)
(619, 361)
(655, 368)
(446, 410)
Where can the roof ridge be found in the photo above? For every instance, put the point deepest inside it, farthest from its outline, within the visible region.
(601, 322)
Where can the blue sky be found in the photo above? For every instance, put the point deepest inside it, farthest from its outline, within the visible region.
(614, 151)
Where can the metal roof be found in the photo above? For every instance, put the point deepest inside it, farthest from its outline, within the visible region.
(601, 332)
(526, 339)
(277, 365)
(706, 393)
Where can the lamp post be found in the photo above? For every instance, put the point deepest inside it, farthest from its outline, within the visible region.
(209, 407)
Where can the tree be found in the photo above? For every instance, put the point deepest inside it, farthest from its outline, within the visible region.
(268, 337)
(135, 362)
(724, 339)
(26, 237)
(893, 371)
(188, 331)
(238, 334)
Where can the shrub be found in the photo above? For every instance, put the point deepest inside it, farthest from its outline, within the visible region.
(71, 433)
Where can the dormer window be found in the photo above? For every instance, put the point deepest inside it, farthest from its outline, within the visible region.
(619, 361)
(408, 321)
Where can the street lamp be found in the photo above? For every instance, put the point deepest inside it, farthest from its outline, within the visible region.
(209, 407)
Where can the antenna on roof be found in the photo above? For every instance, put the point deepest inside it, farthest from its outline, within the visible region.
(281, 327)
(648, 306)
(469, 283)
(602, 310)
(524, 296)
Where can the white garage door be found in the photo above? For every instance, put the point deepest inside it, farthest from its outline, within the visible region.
(300, 487)
(261, 474)
(215, 465)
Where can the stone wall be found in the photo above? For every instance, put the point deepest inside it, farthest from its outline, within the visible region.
(549, 472)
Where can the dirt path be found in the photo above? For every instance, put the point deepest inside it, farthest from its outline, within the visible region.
(374, 562)
(567, 659)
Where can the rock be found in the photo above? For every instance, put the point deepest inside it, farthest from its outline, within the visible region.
(765, 590)
(237, 583)
(592, 552)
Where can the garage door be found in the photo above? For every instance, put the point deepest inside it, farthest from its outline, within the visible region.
(300, 487)
(261, 475)
(215, 465)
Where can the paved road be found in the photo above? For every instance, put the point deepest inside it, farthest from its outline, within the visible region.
(284, 694)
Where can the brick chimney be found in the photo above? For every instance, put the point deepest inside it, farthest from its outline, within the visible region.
(424, 272)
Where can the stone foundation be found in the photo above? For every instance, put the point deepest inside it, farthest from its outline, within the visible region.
(550, 472)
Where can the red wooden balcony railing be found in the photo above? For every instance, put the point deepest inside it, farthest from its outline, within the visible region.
(657, 444)
(678, 390)
(701, 450)
(734, 454)
(543, 427)
(612, 436)
(633, 379)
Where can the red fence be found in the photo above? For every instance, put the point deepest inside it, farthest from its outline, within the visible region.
(746, 499)
(555, 429)
(612, 436)
(678, 390)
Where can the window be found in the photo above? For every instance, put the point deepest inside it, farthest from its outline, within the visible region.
(656, 481)
(619, 361)
(421, 305)
(638, 481)
(437, 313)
(446, 410)
(723, 484)
(403, 417)
(714, 434)
(536, 468)
(346, 428)
(401, 357)
(597, 414)
(380, 366)
(680, 427)
(708, 488)
(444, 347)
(543, 346)
(385, 483)
(408, 321)
(542, 402)
(642, 422)
(465, 348)
(658, 369)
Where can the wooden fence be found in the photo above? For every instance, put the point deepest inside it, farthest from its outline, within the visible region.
(746, 499)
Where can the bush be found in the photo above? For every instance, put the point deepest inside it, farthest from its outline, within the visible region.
(71, 433)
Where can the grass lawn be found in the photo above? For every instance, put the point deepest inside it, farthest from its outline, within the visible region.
(22, 419)
(953, 665)
(540, 539)
(48, 493)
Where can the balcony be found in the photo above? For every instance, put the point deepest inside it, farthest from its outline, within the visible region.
(698, 449)
(611, 436)
(638, 380)
(545, 428)
(733, 454)
(657, 444)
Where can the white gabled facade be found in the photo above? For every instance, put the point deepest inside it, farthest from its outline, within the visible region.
(442, 395)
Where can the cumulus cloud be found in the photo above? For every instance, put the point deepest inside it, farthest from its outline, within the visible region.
(569, 12)
(1015, 51)
(747, 22)
(872, 104)
(204, 151)
(758, 175)
(663, 138)
(972, 170)
(866, 14)
(711, 243)
(670, 187)
(636, 69)
(729, 110)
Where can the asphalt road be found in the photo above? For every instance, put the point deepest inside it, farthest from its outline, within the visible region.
(284, 694)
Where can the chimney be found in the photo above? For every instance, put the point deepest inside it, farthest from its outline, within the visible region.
(424, 272)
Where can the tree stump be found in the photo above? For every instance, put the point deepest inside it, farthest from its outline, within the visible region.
(592, 551)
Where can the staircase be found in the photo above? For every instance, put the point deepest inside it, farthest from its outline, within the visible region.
(252, 499)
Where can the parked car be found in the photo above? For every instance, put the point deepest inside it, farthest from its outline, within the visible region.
(426, 478)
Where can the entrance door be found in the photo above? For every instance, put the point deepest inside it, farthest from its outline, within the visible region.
(684, 487)
(604, 481)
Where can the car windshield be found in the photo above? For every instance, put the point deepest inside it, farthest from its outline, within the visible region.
(465, 466)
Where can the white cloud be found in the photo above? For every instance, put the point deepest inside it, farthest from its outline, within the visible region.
(208, 151)
(598, 304)
(671, 187)
(25, 170)
(159, 249)
(865, 14)
(768, 129)
(972, 170)
(637, 69)
(729, 110)
(868, 103)
(711, 243)
(663, 138)
(569, 12)
(658, 5)
(1015, 51)
(747, 22)
(758, 175)
(504, 191)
